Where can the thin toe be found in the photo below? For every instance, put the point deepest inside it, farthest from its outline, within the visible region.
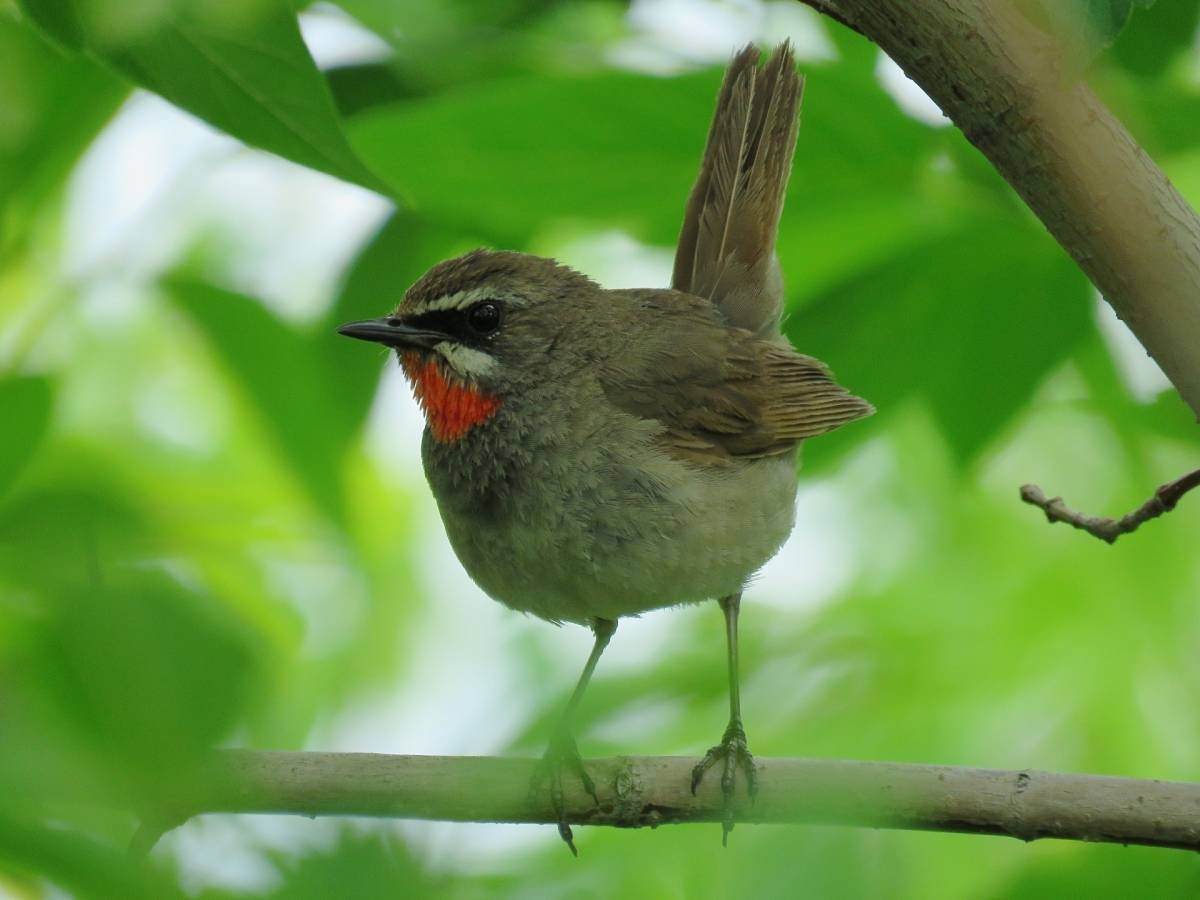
(733, 753)
(568, 836)
(560, 759)
(751, 774)
(713, 754)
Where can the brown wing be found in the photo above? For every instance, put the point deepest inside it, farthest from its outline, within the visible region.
(722, 392)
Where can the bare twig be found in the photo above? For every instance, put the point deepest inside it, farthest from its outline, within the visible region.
(640, 791)
(1163, 500)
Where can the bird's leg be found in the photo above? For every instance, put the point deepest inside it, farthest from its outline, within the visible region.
(562, 752)
(732, 751)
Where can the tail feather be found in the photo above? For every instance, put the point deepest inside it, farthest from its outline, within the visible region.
(719, 131)
(726, 247)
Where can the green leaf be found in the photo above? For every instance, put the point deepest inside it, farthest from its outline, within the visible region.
(619, 149)
(54, 105)
(242, 68)
(1157, 36)
(118, 667)
(970, 323)
(312, 388)
(26, 404)
(1108, 17)
(444, 46)
(497, 160)
(1085, 27)
(57, 536)
(1167, 416)
(60, 21)
(359, 87)
(363, 866)
(284, 379)
(450, 19)
(73, 860)
(151, 674)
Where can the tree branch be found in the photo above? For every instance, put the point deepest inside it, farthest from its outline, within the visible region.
(830, 8)
(640, 791)
(1007, 86)
(1163, 500)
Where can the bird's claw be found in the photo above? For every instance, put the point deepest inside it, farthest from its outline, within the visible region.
(734, 753)
(562, 754)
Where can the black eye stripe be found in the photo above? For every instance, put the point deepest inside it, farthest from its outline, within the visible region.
(457, 323)
(447, 321)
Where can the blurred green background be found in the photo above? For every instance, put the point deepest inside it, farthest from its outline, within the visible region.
(214, 529)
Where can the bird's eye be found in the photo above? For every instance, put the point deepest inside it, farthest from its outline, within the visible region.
(484, 317)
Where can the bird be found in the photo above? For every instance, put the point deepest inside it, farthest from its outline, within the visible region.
(596, 454)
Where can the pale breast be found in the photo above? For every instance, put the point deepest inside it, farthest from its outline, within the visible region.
(584, 529)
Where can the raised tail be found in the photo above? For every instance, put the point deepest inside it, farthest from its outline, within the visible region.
(727, 245)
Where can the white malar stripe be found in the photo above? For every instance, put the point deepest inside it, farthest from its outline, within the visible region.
(466, 361)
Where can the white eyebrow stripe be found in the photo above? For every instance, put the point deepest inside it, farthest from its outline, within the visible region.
(463, 299)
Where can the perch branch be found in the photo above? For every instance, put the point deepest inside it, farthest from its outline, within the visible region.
(639, 791)
(1163, 500)
(1010, 89)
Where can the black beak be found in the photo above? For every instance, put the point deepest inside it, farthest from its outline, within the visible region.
(393, 332)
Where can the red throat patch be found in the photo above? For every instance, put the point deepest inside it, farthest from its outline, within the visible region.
(451, 407)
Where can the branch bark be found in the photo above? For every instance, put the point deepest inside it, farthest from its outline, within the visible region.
(1007, 86)
(1161, 501)
(650, 791)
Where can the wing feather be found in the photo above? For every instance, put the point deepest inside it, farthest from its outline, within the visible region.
(719, 392)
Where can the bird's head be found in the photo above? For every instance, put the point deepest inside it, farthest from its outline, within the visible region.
(473, 330)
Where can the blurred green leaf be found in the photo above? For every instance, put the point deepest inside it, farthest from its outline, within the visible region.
(1142, 872)
(1156, 36)
(58, 535)
(148, 671)
(615, 152)
(450, 45)
(295, 396)
(1108, 17)
(621, 149)
(1166, 119)
(1166, 416)
(970, 322)
(60, 21)
(54, 104)
(119, 678)
(452, 18)
(25, 402)
(151, 672)
(312, 388)
(359, 87)
(75, 863)
(1085, 27)
(244, 69)
(362, 866)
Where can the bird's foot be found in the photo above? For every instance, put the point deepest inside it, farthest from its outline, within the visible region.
(734, 754)
(562, 757)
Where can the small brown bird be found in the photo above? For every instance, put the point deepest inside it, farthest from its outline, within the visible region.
(596, 453)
